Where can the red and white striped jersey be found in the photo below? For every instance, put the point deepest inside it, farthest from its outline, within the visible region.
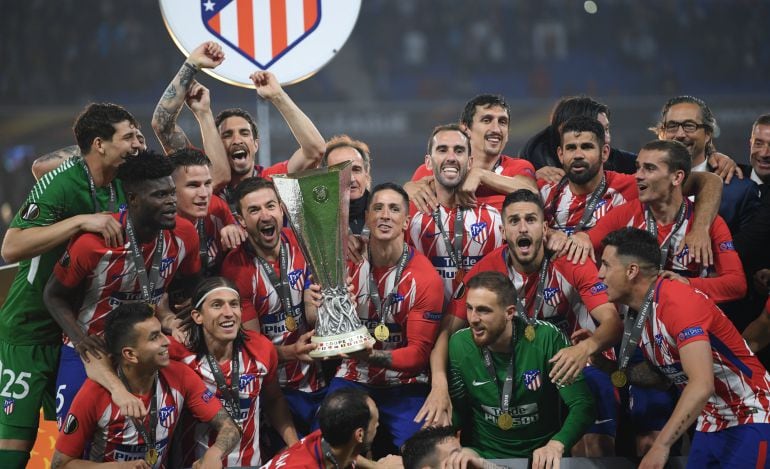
(95, 420)
(258, 362)
(260, 300)
(729, 283)
(505, 166)
(483, 233)
(681, 315)
(108, 276)
(413, 321)
(218, 217)
(571, 291)
(566, 212)
(307, 453)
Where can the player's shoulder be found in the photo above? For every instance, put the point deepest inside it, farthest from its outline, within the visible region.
(257, 345)
(615, 179)
(184, 228)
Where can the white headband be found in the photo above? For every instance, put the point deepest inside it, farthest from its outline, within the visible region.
(203, 298)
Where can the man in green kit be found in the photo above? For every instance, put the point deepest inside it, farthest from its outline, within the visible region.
(78, 196)
(502, 397)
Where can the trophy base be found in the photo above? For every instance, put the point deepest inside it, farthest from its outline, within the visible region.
(334, 345)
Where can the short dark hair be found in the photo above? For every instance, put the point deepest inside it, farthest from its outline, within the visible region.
(98, 120)
(119, 328)
(496, 282)
(523, 195)
(343, 412)
(764, 119)
(677, 157)
(344, 141)
(189, 157)
(393, 187)
(144, 166)
(636, 244)
(483, 100)
(420, 449)
(238, 112)
(574, 106)
(708, 117)
(196, 341)
(449, 128)
(583, 124)
(249, 185)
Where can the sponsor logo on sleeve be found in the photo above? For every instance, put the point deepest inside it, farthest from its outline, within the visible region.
(30, 212)
(726, 246)
(70, 424)
(598, 288)
(432, 316)
(690, 332)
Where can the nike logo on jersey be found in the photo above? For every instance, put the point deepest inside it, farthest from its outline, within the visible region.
(480, 383)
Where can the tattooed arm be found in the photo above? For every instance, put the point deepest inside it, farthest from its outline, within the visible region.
(51, 161)
(697, 364)
(228, 436)
(171, 136)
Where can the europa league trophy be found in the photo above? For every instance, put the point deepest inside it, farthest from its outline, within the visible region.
(317, 202)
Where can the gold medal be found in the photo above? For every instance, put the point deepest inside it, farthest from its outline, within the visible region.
(291, 323)
(529, 332)
(459, 275)
(619, 378)
(151, 457)
(381, 332)
(505, 421)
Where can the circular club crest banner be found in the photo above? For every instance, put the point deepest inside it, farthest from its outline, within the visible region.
(291, 38)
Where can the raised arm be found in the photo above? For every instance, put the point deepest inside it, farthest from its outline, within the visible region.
(707, 188)
(171, 136)
(311, 143)
(199, 101)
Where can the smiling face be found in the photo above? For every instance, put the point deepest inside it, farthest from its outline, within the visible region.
(489, 130)
(262, 217)
(220, 315)
(193, 190)
(387, 216)
(151, 348)
(153, 203)
(581, 156)
(697, 141)
(524, 229)
(760, 151)
(449, 159)
(240, 144)
(124, 142)
(360, 179)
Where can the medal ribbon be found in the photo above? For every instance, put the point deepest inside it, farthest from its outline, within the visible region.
(505, 396)
(281, 285)
(454, 247)
(652, 228)
(590, 207)
(147, 433)
(374, 292)
(521, 310)
(231, 395)
(147, 282)
(327, 450)
(632, 329)
(92, 189)
(203, 243)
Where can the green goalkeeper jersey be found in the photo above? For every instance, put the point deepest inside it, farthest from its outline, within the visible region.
(60, 194)
(536, 403)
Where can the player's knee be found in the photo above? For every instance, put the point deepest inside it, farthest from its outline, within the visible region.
(644, 442)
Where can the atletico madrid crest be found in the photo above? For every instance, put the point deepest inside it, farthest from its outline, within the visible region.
(261, 30)
(8, 406)
(532, 380)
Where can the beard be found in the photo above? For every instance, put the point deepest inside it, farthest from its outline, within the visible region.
(582, 178)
